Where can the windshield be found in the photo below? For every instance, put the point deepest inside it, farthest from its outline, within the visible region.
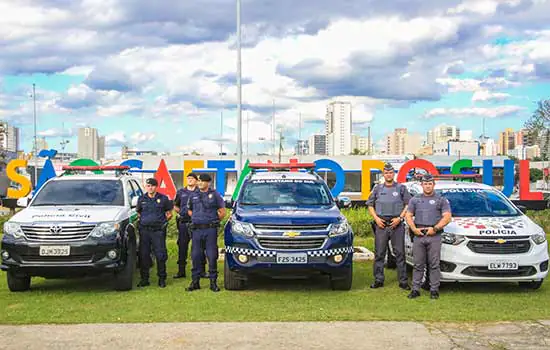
(478, 202)
(286, 192)
(81, 192)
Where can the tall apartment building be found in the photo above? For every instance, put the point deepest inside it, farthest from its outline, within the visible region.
(490, 148)
(507, 141)
(90, 144)
(360, 143)
(401, 142)
(443, 133)
(317, 144)
(338, 121)
(9, 137)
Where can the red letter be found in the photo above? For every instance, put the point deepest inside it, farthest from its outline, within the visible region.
(166, 184)
(525, 193)
(416, 163)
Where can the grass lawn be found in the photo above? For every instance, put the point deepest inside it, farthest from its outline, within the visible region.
(92, 300)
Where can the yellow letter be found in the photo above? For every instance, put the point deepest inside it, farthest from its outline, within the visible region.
(20, 179)
(366, 166)
(188, 166)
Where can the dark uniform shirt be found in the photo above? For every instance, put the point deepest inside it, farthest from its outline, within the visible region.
(428, 210)
(153, 210)
(182, 197)
(389, 201)
(204, 206)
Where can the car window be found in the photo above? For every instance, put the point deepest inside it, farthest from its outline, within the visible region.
(136, 187)
(470, 202)
(130, 191)
(285, 192)
(80, 192)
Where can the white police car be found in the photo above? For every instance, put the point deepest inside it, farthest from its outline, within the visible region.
(489, 239)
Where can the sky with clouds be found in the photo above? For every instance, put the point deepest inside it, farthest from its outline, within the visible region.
(160, 74)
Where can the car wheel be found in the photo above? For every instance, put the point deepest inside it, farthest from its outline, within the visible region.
(231, 280)
(125, 277)
(18, 283)
(344, 281)
(531, 285)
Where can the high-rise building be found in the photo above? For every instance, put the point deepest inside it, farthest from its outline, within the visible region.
(88, 143)
(338, 121)
(301, 148)
(490, 148)
(360, 143)
(396, 141)
(443, 133)
(101, 147)
(317, 144)
(507, 141)
(9, 137)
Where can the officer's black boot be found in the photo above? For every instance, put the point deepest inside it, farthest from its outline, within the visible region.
(162, 282)
(195, 284)
(181, 272)
(144, 282)
(214, 286)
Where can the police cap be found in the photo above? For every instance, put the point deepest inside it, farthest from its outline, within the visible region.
(205, 177)
(152, 181)
(427, 178)
(193, 175)
(388, 167)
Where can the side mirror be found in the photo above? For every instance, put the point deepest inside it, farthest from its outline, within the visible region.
(229, 203)
(134, 202)
(23, 202)
(343, 202)
(522, 208)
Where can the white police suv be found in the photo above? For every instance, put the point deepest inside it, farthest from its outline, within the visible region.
(489, 239)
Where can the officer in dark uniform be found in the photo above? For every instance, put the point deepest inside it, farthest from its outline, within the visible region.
(387, 204)
(184, 220)
(431, 212)
(206, 209)
(154, 210)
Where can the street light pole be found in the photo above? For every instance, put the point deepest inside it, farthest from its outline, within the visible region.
(35, 148)
(239, 95)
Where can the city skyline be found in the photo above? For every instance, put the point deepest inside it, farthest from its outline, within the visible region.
(164, 87)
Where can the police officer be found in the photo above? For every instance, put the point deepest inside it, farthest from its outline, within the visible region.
(387, 204)
(432, 212)
(154, 210)
(184, 220)
(206, 209)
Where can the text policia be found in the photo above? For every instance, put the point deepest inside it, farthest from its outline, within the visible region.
(221, 166)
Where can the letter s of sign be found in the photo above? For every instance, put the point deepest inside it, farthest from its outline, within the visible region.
(11, 171)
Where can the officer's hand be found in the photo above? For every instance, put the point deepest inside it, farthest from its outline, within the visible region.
(417, 232)
(395, 222)
(431, 231)
(379, 222)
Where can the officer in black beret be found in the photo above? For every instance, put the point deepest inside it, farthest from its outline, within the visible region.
(154, 210)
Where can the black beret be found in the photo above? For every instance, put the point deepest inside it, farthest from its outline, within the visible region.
(152, 181)
(205, 177)
(193, 175)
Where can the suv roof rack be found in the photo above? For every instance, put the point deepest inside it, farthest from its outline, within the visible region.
(292, 166)
(118, 169)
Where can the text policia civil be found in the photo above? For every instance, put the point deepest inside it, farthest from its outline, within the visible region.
(220, 167)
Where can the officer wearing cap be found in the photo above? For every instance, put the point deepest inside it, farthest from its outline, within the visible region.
(183, 221)
(154, 210)
(428, 213)
(387, 204)
(206, 209)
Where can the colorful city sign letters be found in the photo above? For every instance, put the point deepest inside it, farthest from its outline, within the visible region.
(167, 186)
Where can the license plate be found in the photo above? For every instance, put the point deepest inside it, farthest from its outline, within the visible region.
(55, 250)
(503, 265)
(286, 258)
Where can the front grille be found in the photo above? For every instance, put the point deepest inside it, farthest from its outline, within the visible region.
(302, 228)
(509, 247)
(483, 271)
(287, 243)
(66, 233)
(57, 259)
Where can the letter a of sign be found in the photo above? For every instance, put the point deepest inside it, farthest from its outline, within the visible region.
(166, 184)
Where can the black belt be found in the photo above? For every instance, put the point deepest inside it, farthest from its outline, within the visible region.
(151, 227)
(428, 226)
(201, 226)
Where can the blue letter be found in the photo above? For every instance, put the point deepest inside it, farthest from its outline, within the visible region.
(338, 172)
(220, 166)
(508, 177)
(133, 163)
(488, 172)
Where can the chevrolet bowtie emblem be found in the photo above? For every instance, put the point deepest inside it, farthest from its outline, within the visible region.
(291, 234)
(500, 241)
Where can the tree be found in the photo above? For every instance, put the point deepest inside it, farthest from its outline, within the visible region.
(356, 152)
(535, 174)
(539, 126)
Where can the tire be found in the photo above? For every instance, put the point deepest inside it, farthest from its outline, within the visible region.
(124, 278)
(231, 280)
(343, 282)
(391, 263)
(18, 283)
(531, 285)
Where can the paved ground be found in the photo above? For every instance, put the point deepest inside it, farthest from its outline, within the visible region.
(288, 335)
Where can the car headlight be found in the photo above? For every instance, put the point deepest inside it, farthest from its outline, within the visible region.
(242, 228)
(13, 229)
(105, 229)
(539, 238)
(451, 238)
(339, 229)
